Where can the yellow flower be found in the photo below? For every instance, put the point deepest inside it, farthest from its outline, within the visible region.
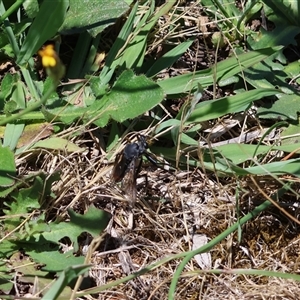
(49, 56)
(51, 62)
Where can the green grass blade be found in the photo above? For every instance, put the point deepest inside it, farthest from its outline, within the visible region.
(169, 58)
(135, 52)
(12, 134)
(64, 279)
(221, 237)
(213, 109)
(222, 70)
(9, 31)
(10, 10)
(110, 63)
(46, 24)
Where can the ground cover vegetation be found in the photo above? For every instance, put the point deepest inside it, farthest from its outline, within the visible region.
(208, 207)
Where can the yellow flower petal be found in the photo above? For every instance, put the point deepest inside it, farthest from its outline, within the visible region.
(51, 62)
(48, 61)
(49, 56)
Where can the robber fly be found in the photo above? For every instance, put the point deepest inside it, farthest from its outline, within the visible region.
(128, 165)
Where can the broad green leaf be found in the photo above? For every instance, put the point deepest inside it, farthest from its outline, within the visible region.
(92, 15)
(18, 95)
(224, 160)
(290, 135)
(7, 248)
(7, 167)
(292, 70)
(6, 276)
(28, 199)
(280, 35)
(172, 123)
(283, 12)
(66, 115)
(290, 167)
(56, 143)
(44, 27)
(224, 166)
(287, 107)
(7, 85)
(29, 272)
(267, 75)
(221, 71)
(93, 221)
(31, 7)
(33, 133)
(51, 258)
(130, 97)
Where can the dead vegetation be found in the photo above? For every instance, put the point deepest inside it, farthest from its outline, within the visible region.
(174, 207)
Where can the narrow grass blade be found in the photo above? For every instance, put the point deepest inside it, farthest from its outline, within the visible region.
(169, 58)
(46, 24)
(222, 70)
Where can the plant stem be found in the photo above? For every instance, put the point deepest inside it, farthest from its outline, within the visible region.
(14, 7)
(32, 107)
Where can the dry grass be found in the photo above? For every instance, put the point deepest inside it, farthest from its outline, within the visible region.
(173, 208)
(170, 210)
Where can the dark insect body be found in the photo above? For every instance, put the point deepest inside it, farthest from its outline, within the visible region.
(128, 165)
(129, 159)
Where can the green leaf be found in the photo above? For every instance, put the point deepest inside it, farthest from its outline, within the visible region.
(56, 143)
(213, 109)
(221, 71)
(31, 273)
(283, 12)
(239, 153)
(130, 97)
(93, 221)
(113, 56)
(64, 279)
(46, 24)
(12, 134)
(51, 258)
(7, 85)
(290, 134)
(93, 15)
(286, 107)
(281, 35)
(28, 199)
(268, 74)
(8, 167)
(169, 58)
(292, 70)
(18, 95)
(7, 248)
(290, 167)
(134, 54)
(31, 8)
(6, 283)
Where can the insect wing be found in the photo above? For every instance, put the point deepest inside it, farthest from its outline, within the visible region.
(119, 168)
(129, 180)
